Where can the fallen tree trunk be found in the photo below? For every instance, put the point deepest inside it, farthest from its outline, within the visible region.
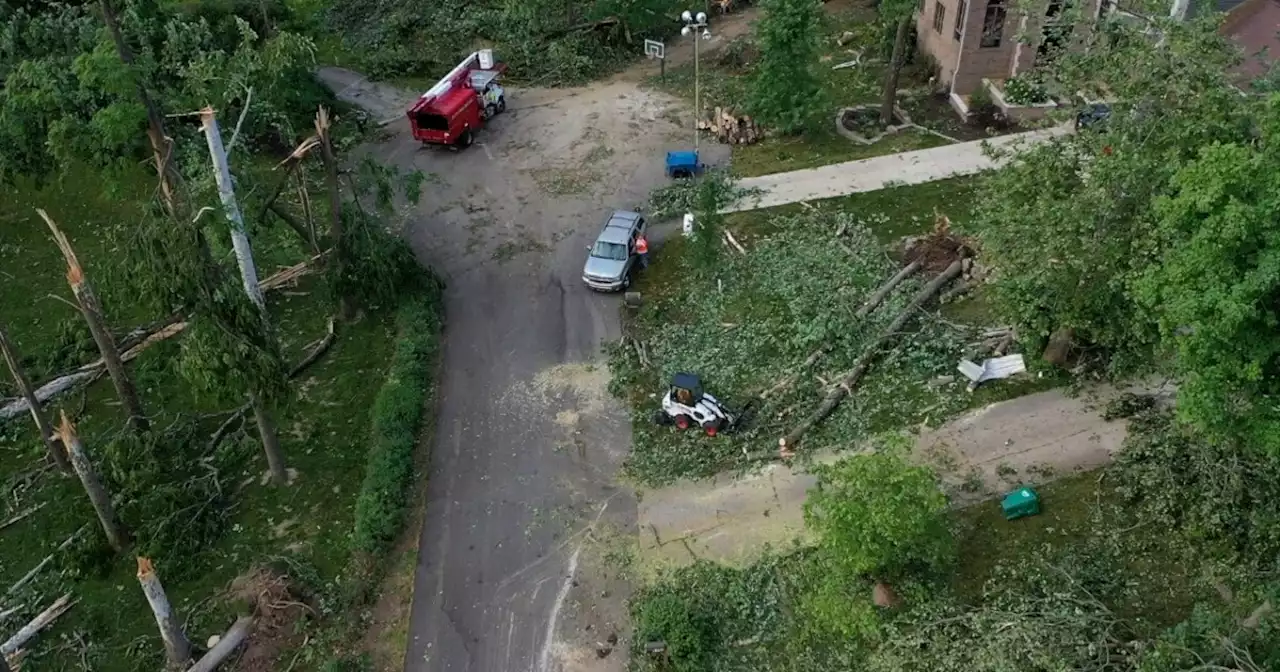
(227, 645)
(26, 578)
(40, 622)
(846, 385)
(875, 299)
(17, 517)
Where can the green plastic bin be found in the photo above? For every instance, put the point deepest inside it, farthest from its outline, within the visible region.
(1020, 503)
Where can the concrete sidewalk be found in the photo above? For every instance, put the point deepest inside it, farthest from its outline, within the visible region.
(1029, 440)
(851, 177)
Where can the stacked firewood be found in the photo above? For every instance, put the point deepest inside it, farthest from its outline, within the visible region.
(732, 129)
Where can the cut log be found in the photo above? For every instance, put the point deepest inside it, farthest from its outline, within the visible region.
(40, 622)
(846, 385)
(227, 645)
(98, 497)
(875, 299)
(731, 129)
(177, 647)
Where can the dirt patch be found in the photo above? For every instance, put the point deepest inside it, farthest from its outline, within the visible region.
(938, 249)
(277, 607)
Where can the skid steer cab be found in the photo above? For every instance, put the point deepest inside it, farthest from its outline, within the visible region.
(685, 405)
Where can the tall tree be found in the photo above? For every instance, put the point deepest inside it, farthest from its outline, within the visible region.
(785, 92)
(249, 279)
(897, 13)
(28, 391)
(1150, 239)
(346, 306)
(91, 309)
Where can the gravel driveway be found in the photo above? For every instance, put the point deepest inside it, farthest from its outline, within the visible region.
(523, 500)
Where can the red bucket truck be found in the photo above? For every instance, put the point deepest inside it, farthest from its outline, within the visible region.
(451, 112)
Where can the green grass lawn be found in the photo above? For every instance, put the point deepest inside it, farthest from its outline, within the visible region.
(1157, 574)
(323, 431)
(725, 81)
(745, 322)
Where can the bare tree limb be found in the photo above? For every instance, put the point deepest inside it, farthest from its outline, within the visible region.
(40, 622)
(880, 294)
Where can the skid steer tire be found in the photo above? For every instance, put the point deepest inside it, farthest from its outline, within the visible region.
(661, 418)
(684, 421)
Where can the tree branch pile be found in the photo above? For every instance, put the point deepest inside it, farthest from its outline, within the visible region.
(845, 386)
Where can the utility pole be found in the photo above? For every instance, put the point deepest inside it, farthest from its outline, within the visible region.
(692, 25)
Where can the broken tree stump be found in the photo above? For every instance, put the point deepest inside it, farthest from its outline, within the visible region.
(91, 309)
(102, 506)
(177, 647)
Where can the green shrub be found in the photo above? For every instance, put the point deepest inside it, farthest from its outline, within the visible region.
(1023, 91)
(690, 632)
(397, 417)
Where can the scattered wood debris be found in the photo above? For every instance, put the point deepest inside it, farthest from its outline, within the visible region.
(40, 622)
(732, 129)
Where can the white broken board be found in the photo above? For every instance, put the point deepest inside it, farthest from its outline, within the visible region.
(991, 369)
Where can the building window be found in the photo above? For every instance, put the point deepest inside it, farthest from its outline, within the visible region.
(939, 17)
(960, 14)
(993, 24)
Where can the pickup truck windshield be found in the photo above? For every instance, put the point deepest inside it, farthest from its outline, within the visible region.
(614, 251)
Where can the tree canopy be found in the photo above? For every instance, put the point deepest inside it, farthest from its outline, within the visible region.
(1152, 237)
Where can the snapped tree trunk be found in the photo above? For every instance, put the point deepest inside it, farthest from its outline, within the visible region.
(29, 393)
(890, 97)
(227, 194)
(161, 148)
(270, 440)
(177, 647)
(91, 309)
(346, 308)
(116, 535)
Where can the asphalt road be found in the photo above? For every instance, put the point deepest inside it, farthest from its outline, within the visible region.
(522, 480)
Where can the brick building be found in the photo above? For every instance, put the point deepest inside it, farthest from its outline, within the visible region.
(973, 40)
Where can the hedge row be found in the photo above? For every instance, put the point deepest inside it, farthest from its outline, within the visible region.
(397, 417)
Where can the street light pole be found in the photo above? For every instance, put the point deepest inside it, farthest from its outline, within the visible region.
(692, 25)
